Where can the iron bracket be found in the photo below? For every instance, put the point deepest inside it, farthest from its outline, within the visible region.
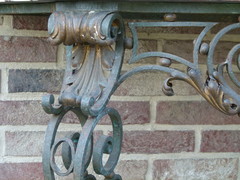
(95, 43)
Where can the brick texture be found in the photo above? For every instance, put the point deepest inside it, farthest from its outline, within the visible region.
(167, 30)
(24, 143)
(128, 169)
(158, 141)
(152, 128)
(150, 84)
(184, 49)
(22, 113)
(220, 26)
(143, 46)
(191, 112)
(34, 80)
(196, 169)
(131, 112)
(30, 22)
(132, 169)
(26, 49)
(21, 171)
(220, 141)
(30, 143)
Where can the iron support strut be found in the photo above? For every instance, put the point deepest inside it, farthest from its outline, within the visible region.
(94, 54)
(95, 43)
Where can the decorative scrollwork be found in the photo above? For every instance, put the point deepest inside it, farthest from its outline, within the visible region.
(78, 149)
(94, 57)
(94, 54)
(215, 88)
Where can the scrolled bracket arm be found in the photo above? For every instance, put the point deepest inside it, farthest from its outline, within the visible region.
(95, 43)
(215, 88)
(94, 54)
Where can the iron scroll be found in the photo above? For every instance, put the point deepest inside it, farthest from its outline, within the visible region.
(95, 44)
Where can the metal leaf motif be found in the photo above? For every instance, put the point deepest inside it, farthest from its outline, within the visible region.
(92, 64)
(214, 89)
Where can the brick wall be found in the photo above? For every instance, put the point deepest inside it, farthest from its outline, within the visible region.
(167, 138)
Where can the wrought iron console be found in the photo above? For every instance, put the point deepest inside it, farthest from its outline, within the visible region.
(95, 40)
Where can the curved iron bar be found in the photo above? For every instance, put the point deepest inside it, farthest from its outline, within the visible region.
(111, 145)
(49, 146)
(95, 47)
(77, 154)
(136, 57)
(199, 40)
(92, 70)
(213, 44)
(229, 64)
(215, 90)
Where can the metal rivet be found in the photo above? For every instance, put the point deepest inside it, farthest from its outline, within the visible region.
(204, 49)
(165, 62)
(170, 17)
(128, 43)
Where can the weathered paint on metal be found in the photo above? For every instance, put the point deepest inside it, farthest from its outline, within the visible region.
(86, 91)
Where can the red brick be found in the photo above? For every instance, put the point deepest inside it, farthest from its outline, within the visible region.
(184, 49)
(196, 169)
(30, 22)
(21, 171)
(143, 46)
(220, 26)
(171, 30)
(24, 143)
(222, 50)
(158, 141)
(132, 169)
(35, 80)
(150, 84)
(22, 113)
(131, 112)
(220, 141)
(26, 49)
(28, 113)
(128, 169)
(167, 30)
(191, 112)
(180, 48)
(30, 143)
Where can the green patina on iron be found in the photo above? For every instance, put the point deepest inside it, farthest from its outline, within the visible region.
(94, 36)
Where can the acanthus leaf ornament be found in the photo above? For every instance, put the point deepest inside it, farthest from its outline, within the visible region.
(94, 54)
(95, 43)
(214, 89)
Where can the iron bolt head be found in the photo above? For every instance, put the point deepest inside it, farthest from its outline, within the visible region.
(204, 48)
(170, 17)
(165, 62)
